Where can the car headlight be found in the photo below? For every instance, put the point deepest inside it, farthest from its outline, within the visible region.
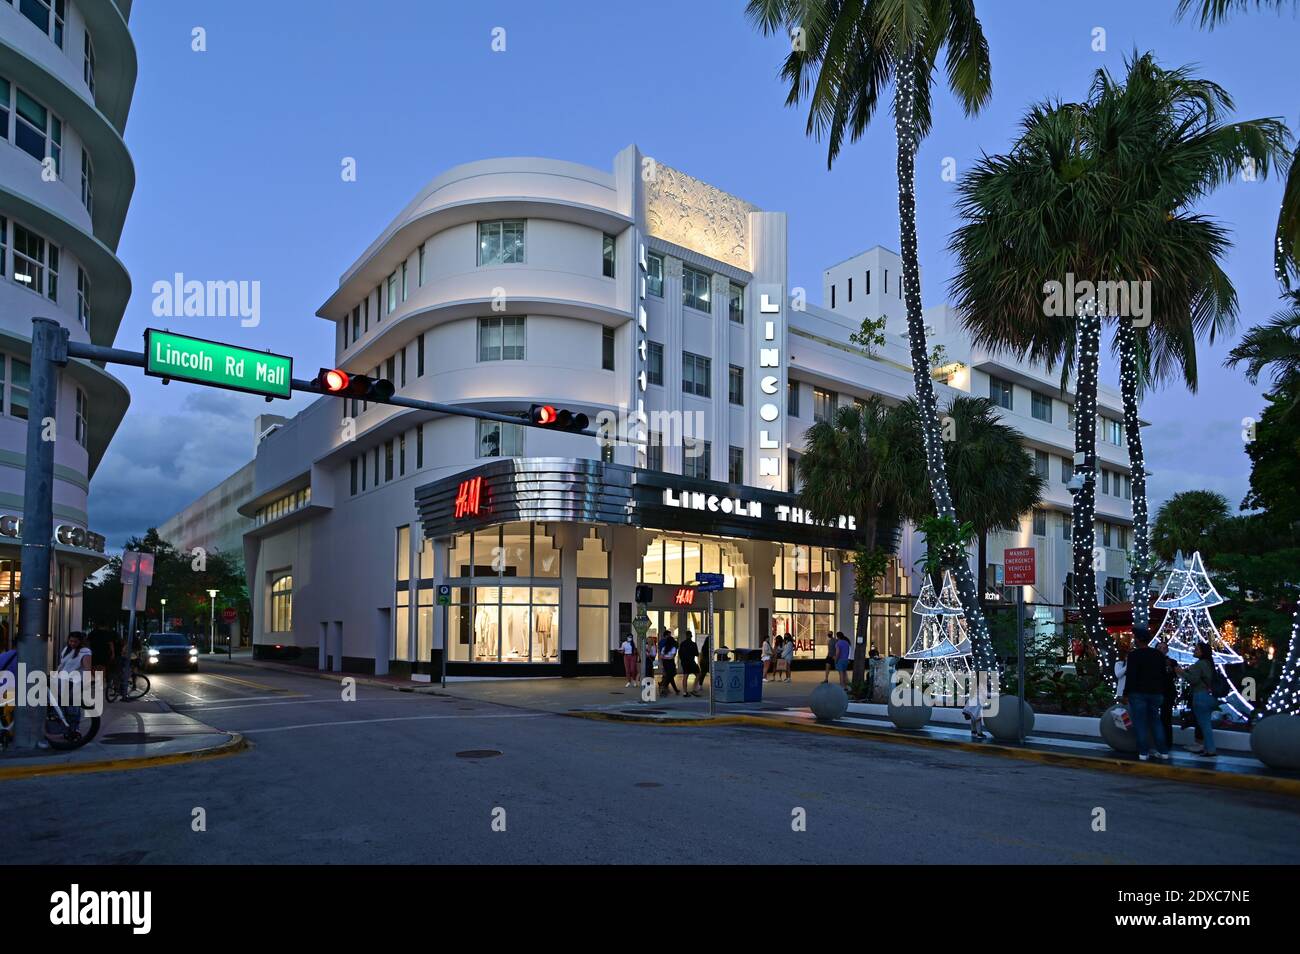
(194, 650)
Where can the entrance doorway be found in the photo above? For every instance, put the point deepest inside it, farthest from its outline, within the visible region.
(694, 619)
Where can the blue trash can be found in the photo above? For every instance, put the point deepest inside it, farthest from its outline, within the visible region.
(754, 680)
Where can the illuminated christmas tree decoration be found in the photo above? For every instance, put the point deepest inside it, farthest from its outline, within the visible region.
(942, 646)
(1285, 697)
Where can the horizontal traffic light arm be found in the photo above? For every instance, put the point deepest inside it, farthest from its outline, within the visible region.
(99, 353)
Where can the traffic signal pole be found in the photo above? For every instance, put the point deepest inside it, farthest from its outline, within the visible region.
(51, 349)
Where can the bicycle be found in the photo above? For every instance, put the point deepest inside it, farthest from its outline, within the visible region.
(63, 729)
(137, 688)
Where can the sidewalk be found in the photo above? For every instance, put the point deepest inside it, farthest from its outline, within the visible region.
(131, 735)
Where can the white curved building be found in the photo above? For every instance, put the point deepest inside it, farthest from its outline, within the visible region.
(67, 74)
(636, 291)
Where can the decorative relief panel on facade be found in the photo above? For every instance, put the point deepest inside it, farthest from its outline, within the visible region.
(687, 212)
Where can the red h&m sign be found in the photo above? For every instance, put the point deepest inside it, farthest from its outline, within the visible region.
(1018, 565)
(469, 498)
(685, 596)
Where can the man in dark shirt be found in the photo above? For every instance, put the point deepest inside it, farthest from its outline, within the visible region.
(686, 652)
(101, 648)
(1144, 682)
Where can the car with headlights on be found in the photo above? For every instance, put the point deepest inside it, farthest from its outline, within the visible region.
(164, 651)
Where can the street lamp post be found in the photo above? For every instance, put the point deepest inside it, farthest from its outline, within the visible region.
(212, 621)
(162, 621)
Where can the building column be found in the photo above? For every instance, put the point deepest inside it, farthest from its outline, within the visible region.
(568, 537)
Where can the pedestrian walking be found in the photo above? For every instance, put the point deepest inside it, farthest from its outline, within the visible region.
(767, 657)
(830, 655)
(843, 655)
(102, 654)
(687, 654)
(629, 659)
(1200, 684)
(706, 656)
(668, 663)
(651, 648)
(1170, 694)
(787, 657)
(1145, 685)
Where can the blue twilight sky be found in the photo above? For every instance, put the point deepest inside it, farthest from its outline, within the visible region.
(238, 151)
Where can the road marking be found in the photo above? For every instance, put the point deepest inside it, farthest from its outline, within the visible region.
(243, 682)
(175, 688)
(316, 725)
(206, 704)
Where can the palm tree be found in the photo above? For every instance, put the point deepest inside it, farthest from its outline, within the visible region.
(1286, 254)
(844, 54)
(848, 466)
(1102, 191)
(992, 476)
(1187, 522)
(1275, 345)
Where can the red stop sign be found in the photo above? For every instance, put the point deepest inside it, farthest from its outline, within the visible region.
(228, 615)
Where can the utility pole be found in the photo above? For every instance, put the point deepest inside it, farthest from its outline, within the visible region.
(49, 348)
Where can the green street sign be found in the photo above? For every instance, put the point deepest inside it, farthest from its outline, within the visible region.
(183, 358)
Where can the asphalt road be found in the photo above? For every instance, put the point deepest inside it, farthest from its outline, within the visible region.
(381, 779)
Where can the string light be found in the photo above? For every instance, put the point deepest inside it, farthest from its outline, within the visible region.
(1128, 381)
(1285, 698)
(985, 659)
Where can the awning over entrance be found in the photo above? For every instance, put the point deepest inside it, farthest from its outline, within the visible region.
(590, 491)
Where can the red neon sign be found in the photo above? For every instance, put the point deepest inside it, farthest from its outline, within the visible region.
(685, 596)
(469, 498)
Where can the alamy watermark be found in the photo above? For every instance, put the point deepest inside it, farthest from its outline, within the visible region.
(1114, 299)
(181, 298)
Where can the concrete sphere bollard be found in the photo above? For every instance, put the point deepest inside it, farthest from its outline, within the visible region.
(1121, 740)
(1004, 724)
(909, 717)
(1275, 740)
(829, 702)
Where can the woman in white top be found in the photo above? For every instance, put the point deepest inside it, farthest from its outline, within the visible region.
(629, 659)
(767, 657)
(75, 656)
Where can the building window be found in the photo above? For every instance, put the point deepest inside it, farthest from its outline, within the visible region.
(1113, 431)
(832, 296)
(501, 339)
(1000, 392)
(654, 278)
(419, 446)
(1105, 481)
(83, 298)
(607, 256)
(87, 182)
(593, 620)
(886, 286)
(1067, 470)
(83, 413)
(736, 384)
(36, 263)
(388, 461)
(654, 452)
(607, 349)
(1067, 526)
(48, 15)
(37, 131)
(1042, 463)
(792, 398)
(824, 403)
(501, 242)
(696, 374)
(866, 283)
(20, 388)
(356, 324)
(850, 289)
(419, 268)
(500, 440)
(392, 293)
(404, 284)
(4, 238)
(419, 356)
(736, 303)
(1040, 523)
(736, 465)
(353, 475)
(654, 363)
(281, 609)
(696, 457)
(283, 506)
(1040, 406)
(695, 288)
(792, 479)
(1128, 487)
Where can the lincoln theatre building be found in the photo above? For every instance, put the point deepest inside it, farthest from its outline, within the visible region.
(636, 295)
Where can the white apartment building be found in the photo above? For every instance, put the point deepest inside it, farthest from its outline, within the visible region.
(67, 75)
(638, 291)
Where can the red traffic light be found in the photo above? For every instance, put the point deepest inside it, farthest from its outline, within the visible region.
(332, 380)
(545, 415)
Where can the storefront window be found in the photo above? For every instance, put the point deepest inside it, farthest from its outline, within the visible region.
(676, 560)
(402, 624)
(426, 559)
(512, 620)
(593, 625)
(593, 561)
(10, 585)
(281, 608)
(424, 624)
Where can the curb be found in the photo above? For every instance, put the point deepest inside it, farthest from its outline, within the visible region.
(236, 743)
(1255, 783)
